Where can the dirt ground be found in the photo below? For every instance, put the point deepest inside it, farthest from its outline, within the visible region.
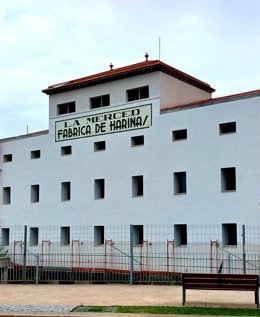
(106, 295)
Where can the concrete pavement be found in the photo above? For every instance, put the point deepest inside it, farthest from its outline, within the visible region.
(119, 294)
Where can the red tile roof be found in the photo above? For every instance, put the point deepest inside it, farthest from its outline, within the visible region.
(125, 72)
(213, 101)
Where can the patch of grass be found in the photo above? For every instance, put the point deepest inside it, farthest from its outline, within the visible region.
(203, 311)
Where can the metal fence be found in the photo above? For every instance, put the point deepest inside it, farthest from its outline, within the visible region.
(124, 254)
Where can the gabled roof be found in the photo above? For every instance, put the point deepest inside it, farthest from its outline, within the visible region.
(126, 72)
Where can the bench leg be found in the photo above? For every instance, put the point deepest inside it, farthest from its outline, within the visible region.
(257, 297)
(183, 296)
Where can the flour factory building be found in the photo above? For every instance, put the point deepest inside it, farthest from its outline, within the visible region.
(144, 145)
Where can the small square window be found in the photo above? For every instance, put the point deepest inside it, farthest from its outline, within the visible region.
(228, 127)
(99, 188)
(179, 135)
(65, 191)
(228, 179)
(99, 146)
(180, 184)
(137, 185)
(35, 154)
(6, 195)
(137, 140)
(7, 158)
(66, 150)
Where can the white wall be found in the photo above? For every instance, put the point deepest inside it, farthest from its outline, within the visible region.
(202, 156)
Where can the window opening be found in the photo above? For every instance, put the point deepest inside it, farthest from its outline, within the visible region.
(137, 140)
(6, 195)
(99, 188)
(180, 234)
(65, 108)
(66, 150)
(5, 236)
(228, 179)
(65, 191)
(35, 193)
(35, 154)
(7, 158)
(99, 146)
(99, 235)
(100, 101)
(138, 93)
(65, 235)
(34, 236)
(180, 183)
(138, 234)
(228, 127)
(229, 233)
(179, 135)
(137, 185)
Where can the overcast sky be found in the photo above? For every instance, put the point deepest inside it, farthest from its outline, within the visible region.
(43, 42)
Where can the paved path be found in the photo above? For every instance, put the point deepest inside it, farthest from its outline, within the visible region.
(46, 297)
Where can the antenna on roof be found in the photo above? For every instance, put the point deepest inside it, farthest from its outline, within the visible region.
(111, 66)
(146, 56)
(159, 48)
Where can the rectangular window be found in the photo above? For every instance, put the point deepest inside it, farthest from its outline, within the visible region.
(65, 108)
(137, 185)
(65, 191)
(228, 179)
(180, 183)
(137, 140)
(138, 234)
(35, 154)
(99, 188)
(228, 127)
(179, 135)
(7, 158)
(66, 150)
(180, 235)
(35, 193)
(65, 235)
(99, 146)
(100, 101)
(6, 195)
(138, 93)
(229, 233)
(99, 235)
(34, 236)
(5, 236)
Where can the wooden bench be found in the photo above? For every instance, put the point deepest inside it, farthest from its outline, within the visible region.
(225, 282)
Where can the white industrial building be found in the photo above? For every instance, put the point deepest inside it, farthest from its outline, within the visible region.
(145, 145)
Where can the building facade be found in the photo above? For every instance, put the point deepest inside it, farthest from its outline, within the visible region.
(143, 145)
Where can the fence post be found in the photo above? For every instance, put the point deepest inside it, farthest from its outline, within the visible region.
(131, 255)
(24, 253)
(243, 244)
(37, 269)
